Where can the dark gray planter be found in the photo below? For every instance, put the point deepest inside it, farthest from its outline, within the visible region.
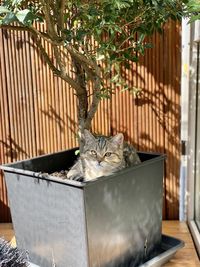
(113, 221)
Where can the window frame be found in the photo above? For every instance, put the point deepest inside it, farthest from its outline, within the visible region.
(194, 110)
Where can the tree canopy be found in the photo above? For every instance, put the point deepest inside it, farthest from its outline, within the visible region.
(96, 36)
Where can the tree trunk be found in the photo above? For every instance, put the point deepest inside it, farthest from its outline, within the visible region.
(82, 104)
(85, 112)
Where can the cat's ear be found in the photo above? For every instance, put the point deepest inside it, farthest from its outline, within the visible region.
(88, 136)
(118, 139)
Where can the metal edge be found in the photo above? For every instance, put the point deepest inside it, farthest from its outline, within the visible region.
(8, 168)
(86, 228)
(166, 255)
(195, 235)
(30, 264)
(41, 176)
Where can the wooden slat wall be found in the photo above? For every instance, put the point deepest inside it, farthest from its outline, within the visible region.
(38, 114)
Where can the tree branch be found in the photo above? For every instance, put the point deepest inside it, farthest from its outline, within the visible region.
(47, 37)
(96, 98)
(61, 73)
(61, 14)
(90, 72)
(76, 54)
(48, 16)
(33, 30)
(46, 57)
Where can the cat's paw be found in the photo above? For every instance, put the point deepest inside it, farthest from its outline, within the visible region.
(74, 175)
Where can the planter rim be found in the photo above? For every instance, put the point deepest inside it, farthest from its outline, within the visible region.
(10, 167)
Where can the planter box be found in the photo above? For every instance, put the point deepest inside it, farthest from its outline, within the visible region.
(113, 221)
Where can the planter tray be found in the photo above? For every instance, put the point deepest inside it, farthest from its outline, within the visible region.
(169, 247)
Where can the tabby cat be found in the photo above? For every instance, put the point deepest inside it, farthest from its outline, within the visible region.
(102, 156)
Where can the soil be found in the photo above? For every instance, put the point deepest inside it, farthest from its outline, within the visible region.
(61, 174)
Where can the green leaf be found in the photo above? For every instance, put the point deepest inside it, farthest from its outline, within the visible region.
(108, 8)
(98, 31)
(77, 152)
(112, 47)
(104, 94)
(117, 28)
(25, 16)
(141, 38)
(93, 11)
(16, 2)
(68, 34)
(194, 18)
(100, 57)
(81, 33)
(127, 55)
(127, 65)
(115, 78)
(113, 57)
(8, 19)
(134, 59)
(3, 10)
(125, 88)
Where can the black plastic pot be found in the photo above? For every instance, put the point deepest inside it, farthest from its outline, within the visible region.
(113, 221)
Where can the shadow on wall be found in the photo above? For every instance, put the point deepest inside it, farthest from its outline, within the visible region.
(53, 115)
(13, 149)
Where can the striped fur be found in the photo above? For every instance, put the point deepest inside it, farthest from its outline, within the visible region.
(102, 156)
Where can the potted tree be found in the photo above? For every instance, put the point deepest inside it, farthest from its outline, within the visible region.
(70, 223)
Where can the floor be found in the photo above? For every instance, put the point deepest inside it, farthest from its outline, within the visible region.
(185, 257)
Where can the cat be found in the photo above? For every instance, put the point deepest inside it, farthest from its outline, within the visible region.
(102, 156)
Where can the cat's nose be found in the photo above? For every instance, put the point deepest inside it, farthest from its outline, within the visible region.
(99, 160)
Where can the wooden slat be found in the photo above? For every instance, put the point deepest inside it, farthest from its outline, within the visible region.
(5, 153)
(172, 118)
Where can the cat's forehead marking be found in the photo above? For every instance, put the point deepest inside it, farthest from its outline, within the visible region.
(101, 143)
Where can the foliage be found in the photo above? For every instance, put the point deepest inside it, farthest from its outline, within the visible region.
(117, 29)
(193, 8)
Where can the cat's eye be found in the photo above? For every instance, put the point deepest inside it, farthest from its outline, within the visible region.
(108, 154)
(93, 152)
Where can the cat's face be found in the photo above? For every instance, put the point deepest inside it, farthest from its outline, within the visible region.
(103, 151)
